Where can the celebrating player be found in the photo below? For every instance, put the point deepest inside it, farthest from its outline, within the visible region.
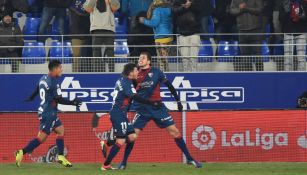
(148, 87)
(50, 95)
(123, 93)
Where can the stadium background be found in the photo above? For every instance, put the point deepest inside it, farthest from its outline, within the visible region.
(229, 116)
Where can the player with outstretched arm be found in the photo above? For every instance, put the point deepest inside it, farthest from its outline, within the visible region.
(123, 94)
(50, 96)
(148, 87)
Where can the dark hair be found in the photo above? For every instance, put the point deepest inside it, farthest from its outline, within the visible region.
(128, 68)
(148, 55)
(53, 64)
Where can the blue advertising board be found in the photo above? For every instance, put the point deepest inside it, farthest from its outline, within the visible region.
(198, 91)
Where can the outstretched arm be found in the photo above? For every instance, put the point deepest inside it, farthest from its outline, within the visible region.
(172, 89)
(33, 95)
(64, 101)
(145, 101)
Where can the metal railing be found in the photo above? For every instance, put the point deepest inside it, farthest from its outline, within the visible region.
(77, 53)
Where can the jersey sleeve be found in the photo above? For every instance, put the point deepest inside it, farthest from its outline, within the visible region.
(57, 90)
(43, 85)
(129, 89)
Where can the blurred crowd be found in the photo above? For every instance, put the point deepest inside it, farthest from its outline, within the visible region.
(245, 21)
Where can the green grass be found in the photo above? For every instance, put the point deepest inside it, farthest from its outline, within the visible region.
(160, 169)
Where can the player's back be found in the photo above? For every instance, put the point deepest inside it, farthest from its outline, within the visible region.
(122, 92)
(48, 91)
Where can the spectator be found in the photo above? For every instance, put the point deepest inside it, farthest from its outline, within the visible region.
(79, 28)
(138, 29)
(57, 9)
(159, 17)
(13, 5)
(102, 28)
(6, 7)
(207, 11)
(226, 23)
(294, 25)
(249, 21)
(276, 22)
(36, 7)
(9, 38)
(187, 16)
(132, 8)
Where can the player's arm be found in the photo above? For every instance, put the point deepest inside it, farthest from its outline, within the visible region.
(59, 99)
(64, 101)
(33, 95)
(145, 101)
(172, 89)
(131, 93)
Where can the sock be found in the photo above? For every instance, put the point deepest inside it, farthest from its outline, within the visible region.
(183, 147)
(114, 150)
(31, 145)
(128, 150)
(60, 144)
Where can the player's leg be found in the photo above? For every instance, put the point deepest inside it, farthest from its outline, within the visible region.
(34, 143)
(122, 129)
(139, 122)
(175, 133)
(129, 147)
(59, 130)
(45, 129)
(164, 120)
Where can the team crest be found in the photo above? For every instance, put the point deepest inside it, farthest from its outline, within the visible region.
(150, 74)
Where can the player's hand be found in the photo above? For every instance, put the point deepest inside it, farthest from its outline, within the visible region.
(180, 107)
(77, 102)
(141, 20)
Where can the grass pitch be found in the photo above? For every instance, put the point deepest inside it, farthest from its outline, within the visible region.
(160, 169)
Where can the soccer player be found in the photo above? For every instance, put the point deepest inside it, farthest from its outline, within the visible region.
(123, 93)
(148, 87)
(50, 96)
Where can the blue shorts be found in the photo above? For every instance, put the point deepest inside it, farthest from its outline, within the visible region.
(159, 115)
(48, 122)
(121, 125)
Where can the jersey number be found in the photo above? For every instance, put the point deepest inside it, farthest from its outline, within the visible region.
(42, 94)
(114, 95)
(124, 125)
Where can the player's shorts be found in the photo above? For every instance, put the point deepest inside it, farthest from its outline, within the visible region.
(48, 122)
(159, 115)
(121, 125)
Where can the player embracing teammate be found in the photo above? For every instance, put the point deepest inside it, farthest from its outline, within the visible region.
(148, 84)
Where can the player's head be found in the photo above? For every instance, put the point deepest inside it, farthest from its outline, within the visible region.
(55, 68)
(130, 71)
(144, 60)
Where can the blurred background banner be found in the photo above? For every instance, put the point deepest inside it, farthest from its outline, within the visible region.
(212, 136)
(198, 91)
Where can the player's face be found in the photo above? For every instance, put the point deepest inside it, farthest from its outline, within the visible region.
(134, 74)
(143, 61)
(58, 71)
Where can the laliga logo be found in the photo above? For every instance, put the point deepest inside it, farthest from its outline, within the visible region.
(203, 137)
(302, 141)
